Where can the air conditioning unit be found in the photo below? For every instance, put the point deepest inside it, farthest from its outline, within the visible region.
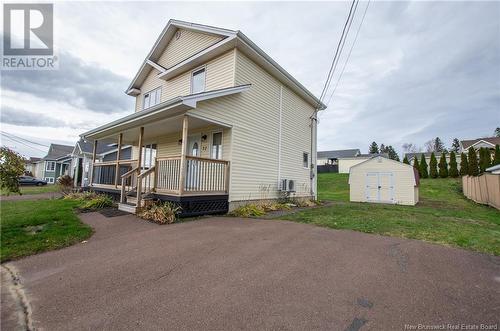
(288, 185)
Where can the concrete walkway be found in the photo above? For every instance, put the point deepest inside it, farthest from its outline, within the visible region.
(228, 273)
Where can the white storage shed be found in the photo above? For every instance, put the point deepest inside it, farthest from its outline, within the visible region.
(383, 180)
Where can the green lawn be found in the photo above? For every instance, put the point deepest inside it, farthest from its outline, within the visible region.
(30, 227)
(443, 215)
(34, 189)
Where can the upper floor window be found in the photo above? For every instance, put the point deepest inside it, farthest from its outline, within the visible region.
(151, 98)
(50, 166)
(198, 81)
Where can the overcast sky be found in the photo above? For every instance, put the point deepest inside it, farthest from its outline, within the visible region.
(418, 69)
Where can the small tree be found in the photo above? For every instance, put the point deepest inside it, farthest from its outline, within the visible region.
(424, 172)
(382, 149)
(438, 145)
(11, 167)
(484, 159)
(416, 165)
(393, 155)
(496, 159)
(405, 160)
(464, 165)
(433, 173)
(373, 148)
(473, 168)
(497, 132)
(453, 165)
(455, 145)
(443, 166)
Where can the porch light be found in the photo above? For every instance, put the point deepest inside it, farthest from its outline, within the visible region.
(204, 137)
(180, 142)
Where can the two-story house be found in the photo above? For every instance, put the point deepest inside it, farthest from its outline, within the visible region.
(217, 123)
(56, 163)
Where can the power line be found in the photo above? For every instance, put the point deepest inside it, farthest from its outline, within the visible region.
(21, 142)
(25, 140)
(330, 72)
(349, 54)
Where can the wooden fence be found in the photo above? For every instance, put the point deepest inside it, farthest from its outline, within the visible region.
(483, 189)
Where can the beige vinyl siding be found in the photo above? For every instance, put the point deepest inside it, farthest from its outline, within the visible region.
(219, 74)
(405, 192)
(254, 115)
(188, 44)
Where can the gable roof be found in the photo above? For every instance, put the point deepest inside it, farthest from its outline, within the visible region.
(337, 154)
(57, 151)
(490, 140)
(231, 39)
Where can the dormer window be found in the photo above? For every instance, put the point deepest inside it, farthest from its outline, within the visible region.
(198, 81)
(151, 98)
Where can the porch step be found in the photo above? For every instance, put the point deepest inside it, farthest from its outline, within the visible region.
(129, 208)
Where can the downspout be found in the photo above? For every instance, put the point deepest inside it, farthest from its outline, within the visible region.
(313, 170)
(279, 136)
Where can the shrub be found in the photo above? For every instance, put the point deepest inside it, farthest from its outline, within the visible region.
(464, 165)
(453, 165)
(11, 167)
(98, 202)
(65, 184)
(161, 212)
(417, 166)
(249, 210)
(484, 159)
(405, 160)
(443, 166)
(496, 159)
(433, 166)
(423, 167)
(473, 168)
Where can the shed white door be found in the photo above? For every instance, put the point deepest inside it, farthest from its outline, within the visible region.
(379, 187)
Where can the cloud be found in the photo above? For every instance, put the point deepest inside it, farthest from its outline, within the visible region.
(21, 117)
(77, 83)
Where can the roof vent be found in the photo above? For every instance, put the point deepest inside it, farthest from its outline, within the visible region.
(177, 34)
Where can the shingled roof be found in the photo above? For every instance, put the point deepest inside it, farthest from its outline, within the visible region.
(338, 154)
(468, 143)
(57, 151)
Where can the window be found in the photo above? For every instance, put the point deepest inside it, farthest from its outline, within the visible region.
(198, 81)
(148, 156)
(151, 98)
(305, 160)
(49, 180)
(217, 145)
(50, 166)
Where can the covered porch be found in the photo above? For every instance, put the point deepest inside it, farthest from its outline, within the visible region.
(177, 156)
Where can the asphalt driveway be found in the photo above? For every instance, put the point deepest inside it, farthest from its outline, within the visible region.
(227, 274)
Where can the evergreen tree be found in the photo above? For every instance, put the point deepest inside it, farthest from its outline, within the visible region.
(473, 168)
(405, 160)
(433, 173)
(416, 165)
(497, 132)
(373, 148)
(484, 159)
(382, 149)
(391, 153)
(455, 145)
(438, 145)
(496, 159)
(424, 172)
(464, 165)
(453, 165)
(443, 166)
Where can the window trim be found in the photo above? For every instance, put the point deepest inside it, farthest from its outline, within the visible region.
(149, 92)
(49, 180)
(204, 68)
(47, 166)
(305, 153)
(221, 143)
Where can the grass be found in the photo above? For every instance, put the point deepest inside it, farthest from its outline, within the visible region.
(34, 189)
(443, 215)
(30, 227)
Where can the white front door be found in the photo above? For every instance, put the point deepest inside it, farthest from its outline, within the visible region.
(379, 187)
(192, 178)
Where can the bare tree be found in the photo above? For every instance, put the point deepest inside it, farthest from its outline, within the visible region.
(410, 148)
(429, 146)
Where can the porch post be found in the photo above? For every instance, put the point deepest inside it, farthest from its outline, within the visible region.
(118, 155)
(139, 161)
(93, 161)
(182, 175)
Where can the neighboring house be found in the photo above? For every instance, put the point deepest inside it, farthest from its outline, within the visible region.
(382, 180)
(34, 166)
(489, 142)
(82, 159)
(332, 157)
(427, 155)
(217, 123)
(57, 162)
